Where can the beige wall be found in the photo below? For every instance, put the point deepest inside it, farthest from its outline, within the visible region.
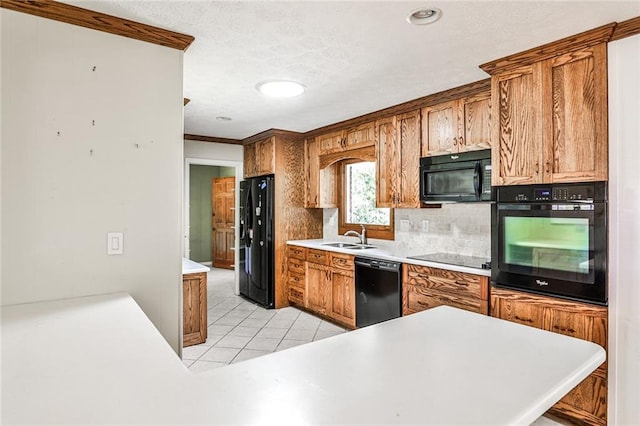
(213, 151)
(624, 231)
(86, 152)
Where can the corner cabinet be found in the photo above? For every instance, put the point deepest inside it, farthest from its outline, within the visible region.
(424, 288)
(550, 121)
(323, 284)
(259, 158)
(457, 126)
(587, 402)
(398, 161)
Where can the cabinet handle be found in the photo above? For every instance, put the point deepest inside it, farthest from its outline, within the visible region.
(315, 200)
(455, 141)
(537, 168)
(547, 167)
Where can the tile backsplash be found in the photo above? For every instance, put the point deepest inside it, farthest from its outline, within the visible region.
(461, 228)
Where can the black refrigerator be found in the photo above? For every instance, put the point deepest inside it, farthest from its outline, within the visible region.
(256, 240)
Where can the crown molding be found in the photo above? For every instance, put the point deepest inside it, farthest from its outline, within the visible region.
(212, 139)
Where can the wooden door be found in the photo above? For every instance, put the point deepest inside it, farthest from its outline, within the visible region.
(440, 134)
(408, 147)
(223, 220)
(517, 126)
(575, 113)
(476, 123)
(386, 162)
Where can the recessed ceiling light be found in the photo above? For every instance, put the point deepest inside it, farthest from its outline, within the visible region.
(222, 118)
(280, 88)
(424, 16)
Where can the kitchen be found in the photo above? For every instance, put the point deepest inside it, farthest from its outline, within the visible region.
(9, 297)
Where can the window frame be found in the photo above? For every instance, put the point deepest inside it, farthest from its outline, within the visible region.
(382, 232)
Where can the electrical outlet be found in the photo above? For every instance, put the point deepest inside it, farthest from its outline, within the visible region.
(425, 225)
(404, 225)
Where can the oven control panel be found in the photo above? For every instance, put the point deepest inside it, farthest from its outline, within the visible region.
(568, 193)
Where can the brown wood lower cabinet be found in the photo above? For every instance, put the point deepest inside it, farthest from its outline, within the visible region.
(194, 308)
(322, 282)
(587, 402)
(424, 287)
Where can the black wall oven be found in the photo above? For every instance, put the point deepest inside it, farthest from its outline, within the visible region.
(551, 239)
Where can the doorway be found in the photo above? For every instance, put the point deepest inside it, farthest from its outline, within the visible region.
(222, 221)
(198, 209)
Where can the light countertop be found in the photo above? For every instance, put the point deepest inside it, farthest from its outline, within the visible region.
(191, 267)
(68, 361)
(386, 253)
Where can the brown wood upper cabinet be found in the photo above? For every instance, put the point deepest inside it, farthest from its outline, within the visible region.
(551, 120)
(457, 126)
(398, 161)
(259, 158)
(342, 140)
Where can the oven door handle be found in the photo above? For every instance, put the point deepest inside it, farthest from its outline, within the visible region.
(477, 180)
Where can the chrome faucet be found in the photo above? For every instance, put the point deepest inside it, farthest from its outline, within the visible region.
(362, 236)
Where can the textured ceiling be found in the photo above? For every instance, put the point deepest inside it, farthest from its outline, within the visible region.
(354, 57)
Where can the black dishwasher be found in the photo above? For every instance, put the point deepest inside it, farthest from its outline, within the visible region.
(378, 291)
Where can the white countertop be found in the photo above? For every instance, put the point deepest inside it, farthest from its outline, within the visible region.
(100, 360)
(398, 255)
(191, 267)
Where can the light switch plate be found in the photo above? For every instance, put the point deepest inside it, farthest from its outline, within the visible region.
(404, 225)
(115, 243)
(425, 225)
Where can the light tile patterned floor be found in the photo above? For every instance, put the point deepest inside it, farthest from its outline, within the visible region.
(240, 330)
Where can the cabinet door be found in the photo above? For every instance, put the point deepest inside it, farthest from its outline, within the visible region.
(194, 308)
(575, 105)
(360, 136)
(343, 304)
(476, 123)
(250, 161)
(440, 134)
(265, 151)
(407, 143)
(517, 127)
(318, 288)
(331, 142)
(386, 162)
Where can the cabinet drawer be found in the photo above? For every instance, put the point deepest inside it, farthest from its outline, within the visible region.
(318, 256)
(295, 295)
(456, 284)
(296, 266)
(296, 279)
(418, 299)
(342, 261)
(296, 252)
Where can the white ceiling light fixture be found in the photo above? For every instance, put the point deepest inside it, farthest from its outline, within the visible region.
(280, 88)
(424, 16)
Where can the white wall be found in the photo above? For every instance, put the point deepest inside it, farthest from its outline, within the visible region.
(624, 232)
(85, 152)
(213, 151)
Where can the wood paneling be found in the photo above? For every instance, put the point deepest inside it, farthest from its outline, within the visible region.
(587, 402)
(194, 308)
(626, 28)
(537, 54)
(386, 164)
(291, 220)
(212, 139)
(99, 21)
(424, 288)
(475, 123)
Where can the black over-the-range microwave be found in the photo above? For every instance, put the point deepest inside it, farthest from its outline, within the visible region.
(462, 177)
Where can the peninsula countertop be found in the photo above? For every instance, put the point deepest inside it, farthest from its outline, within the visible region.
(387, 253)
(191, 267)
(99, 359)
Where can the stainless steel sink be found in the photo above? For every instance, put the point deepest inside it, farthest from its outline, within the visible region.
(360, 247)
(339, 245)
